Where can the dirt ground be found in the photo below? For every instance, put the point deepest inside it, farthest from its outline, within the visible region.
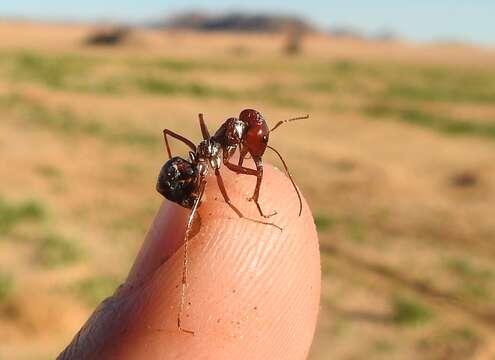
(397, 162)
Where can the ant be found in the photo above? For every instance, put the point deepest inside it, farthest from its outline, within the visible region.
(183, 182)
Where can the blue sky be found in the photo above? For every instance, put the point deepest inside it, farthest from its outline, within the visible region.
(420, 20)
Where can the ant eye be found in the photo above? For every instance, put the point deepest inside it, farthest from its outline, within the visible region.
(265, 139)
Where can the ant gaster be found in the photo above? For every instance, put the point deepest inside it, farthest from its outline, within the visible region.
(183, 182)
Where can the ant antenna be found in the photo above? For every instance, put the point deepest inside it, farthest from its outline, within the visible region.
(290, 177)
(289, 120)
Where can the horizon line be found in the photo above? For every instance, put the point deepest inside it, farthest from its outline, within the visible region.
(354, 31)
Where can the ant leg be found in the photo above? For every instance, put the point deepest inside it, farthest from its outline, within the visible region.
(178, 137)
(185, 259)
(239, 169)
(259, 178)
(204, 128)
(221, 186)
(243, 152)
(290, 177)
(247, 171)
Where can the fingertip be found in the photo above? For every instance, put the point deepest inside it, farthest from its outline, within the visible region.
(252, 290)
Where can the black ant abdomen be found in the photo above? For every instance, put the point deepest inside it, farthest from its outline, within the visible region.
(177, 182)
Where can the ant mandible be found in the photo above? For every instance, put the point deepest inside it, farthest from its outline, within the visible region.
(184, 182)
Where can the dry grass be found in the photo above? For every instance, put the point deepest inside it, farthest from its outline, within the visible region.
(397, 162)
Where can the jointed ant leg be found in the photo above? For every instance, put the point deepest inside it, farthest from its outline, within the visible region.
(243, 152)
(221, 186)
(238, 169)
(185, 259)
(178, 137)
(259, 178)
(204, 128)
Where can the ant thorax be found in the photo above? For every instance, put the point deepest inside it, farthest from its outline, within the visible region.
(208, 152)
(236, 131)
(231, 133)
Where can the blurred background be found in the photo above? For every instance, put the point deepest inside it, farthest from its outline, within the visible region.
(397, 160)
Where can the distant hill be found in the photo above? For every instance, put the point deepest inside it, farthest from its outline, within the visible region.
(235, 22)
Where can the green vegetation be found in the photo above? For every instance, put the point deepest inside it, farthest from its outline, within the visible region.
(463, 333)
(48, 171)
(73, 73)
(277, 94)
(66, 121)
(162, 86)
(457, 342)
(50, 70)
(6, 286)
(466, 88)
(410, 312)
(174, 65)
(131, 169)
(383, 346)
(441, 123)
(326, 264)
(324, 222)
(12, 214)
(390, 81)
(463, 267)
(182, 65)
(154, 85)
(94, 290)
(356, 230)
(54, 251)
(411, 83)
(61, 119)
(475, 281)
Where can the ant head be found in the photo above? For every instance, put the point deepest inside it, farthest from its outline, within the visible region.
(256, 138)
(177, 182)
(251, 117)
(234, 131)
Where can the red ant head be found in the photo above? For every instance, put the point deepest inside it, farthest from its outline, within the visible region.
(251, 117)
(256, 138)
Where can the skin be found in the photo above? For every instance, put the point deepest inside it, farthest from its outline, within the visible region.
(253, 290)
